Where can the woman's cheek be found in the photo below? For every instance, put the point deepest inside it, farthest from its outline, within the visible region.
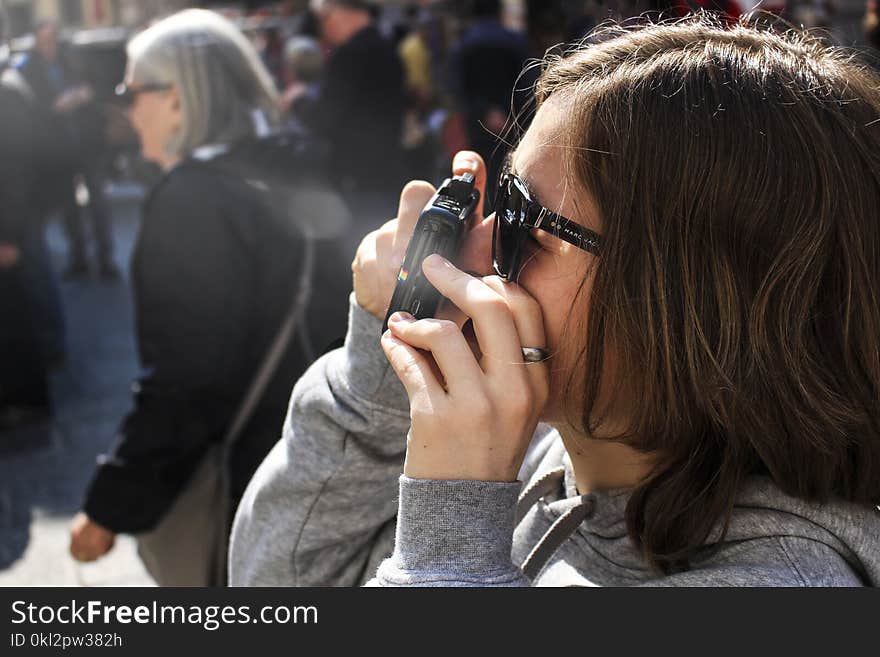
(567, 335)
(154, 142)
(564, 310)
(566, 378)
(142, 130)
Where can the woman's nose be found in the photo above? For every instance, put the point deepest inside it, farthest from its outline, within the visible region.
(475, 256)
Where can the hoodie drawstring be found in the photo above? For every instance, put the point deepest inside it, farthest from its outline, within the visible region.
(560, 531)
(542, 486)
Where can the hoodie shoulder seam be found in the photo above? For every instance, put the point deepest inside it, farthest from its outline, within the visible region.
(792, 563)
(842, 561)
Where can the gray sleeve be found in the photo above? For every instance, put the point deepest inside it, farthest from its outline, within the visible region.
(320, 510)
(453, 533)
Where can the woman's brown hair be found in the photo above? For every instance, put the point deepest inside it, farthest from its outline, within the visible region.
(737, 171)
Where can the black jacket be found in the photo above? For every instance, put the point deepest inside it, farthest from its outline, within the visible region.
(77, 138)
(16, 164)
(214, 272)
(23, 377)
(359, 111)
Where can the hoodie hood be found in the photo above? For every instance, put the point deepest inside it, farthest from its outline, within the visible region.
(851, 530)
(772, 538)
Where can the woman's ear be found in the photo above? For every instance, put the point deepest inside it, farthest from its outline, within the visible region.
(175, 106)
(173, 111)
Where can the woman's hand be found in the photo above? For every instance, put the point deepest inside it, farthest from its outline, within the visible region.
(88, 539)
(472, 416)
(381, 253)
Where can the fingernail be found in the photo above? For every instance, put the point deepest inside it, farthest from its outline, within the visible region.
(401, 317)
(465, 162)
(436, 261)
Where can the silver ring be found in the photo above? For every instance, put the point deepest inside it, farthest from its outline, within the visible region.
(534, 354)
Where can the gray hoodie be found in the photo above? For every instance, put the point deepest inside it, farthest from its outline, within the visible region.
(329, 506)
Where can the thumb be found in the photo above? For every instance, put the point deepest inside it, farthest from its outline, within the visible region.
(472, 162)
(413, 198)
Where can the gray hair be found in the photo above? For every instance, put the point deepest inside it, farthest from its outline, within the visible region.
(226, 93)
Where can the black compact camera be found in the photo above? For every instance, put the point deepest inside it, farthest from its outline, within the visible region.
(440, 229)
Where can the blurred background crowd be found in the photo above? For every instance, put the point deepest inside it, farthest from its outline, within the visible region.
(368, 95)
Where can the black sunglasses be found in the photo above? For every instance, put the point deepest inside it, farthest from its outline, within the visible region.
(127, 94)
(516, 214)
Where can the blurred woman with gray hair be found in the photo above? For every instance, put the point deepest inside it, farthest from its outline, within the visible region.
(194, 80)
(221, 256)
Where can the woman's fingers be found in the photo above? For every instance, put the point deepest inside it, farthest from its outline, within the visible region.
(472, 162)
(413, 198)
(529, 321)
(414, 371)
(493, 323)
(526, 312)
(474, 255)
(451, 312)
(448, 347)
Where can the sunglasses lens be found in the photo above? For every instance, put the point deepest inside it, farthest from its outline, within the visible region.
(508, 232)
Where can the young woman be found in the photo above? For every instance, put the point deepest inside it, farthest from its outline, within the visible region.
(679, 354)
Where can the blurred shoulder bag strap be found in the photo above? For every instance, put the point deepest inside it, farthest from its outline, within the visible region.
(188, 547)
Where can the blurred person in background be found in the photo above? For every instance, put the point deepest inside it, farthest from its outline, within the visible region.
(272, 52)
(359, 109)
(215, 271)
(67, 108)
(303, 63)
(871, 26)
(55, 184)
(486, 63)
(24, 386)
(416, 56)
(421, 141)
(547, 25)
